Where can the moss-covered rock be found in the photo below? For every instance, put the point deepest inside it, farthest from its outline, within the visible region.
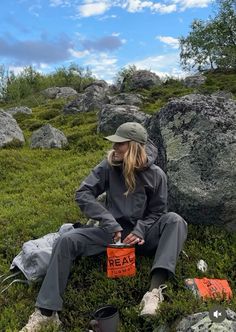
(197, 149)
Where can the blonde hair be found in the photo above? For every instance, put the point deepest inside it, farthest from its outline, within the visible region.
(135, 159)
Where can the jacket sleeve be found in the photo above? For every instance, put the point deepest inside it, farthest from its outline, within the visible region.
(90, 188)
(157, 205)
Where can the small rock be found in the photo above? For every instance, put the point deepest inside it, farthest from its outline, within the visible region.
(140, 79)
(127, 99)
(48, 137)
(9, 129)
(194, 80)
(19, 109)
(59, 92)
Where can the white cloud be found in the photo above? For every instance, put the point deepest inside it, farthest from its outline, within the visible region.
(184, 4)
(107, 17)
(164, 9)
(93, 8)
(102, 65)
(88, 8)
(62, 3)
(78, 54)
(39, 67)
(137, 5)
(134, 6)
(44, 66)
(79, 35)
(162, 6)
(170, 41)
(116, 34)
(34, 9)
(162, 65)
(16, 69)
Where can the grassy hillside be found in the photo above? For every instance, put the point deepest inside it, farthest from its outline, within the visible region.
(37, 196)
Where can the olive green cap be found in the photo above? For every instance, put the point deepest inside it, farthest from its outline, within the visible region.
(129, 131)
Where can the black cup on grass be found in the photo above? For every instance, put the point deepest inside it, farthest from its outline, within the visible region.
(105, 319)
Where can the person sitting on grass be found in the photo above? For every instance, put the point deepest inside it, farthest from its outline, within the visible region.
(135, 212)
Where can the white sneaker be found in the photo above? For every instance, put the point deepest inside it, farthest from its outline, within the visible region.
(151, 301)
(37, 321)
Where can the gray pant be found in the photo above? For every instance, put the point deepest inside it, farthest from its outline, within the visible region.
(164, 239)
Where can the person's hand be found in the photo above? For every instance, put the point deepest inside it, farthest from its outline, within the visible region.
(117, 237)
(133, 239)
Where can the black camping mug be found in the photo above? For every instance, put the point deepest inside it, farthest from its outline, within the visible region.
(106, 319)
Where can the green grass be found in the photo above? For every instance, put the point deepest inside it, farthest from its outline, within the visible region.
(158, 96)
(217, 81)
(37, 196)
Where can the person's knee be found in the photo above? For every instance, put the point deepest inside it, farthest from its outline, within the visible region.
(65, 244)
(178, 223)
(173, 217)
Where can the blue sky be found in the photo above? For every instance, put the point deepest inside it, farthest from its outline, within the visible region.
(102, 35)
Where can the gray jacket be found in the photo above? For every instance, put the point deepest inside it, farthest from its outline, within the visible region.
(34, 258)
(141, 208)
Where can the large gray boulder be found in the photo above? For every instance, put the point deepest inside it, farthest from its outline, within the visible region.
(93, 98)
(59, 92)
(194, 81)
(221, 95)
(127, 99)
(19, 109)
(51, 93)
(101, 83)
(48, 137)
(112, 116)
(140, 79)
(200, 322)
(113, 89)
(9, 130)
(196, 137)
(66, 92)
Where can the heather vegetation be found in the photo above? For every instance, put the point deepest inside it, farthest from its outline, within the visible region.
(37, 196)
(28, 84)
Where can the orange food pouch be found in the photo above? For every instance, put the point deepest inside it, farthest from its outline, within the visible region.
(213, 288)
(120, 261)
